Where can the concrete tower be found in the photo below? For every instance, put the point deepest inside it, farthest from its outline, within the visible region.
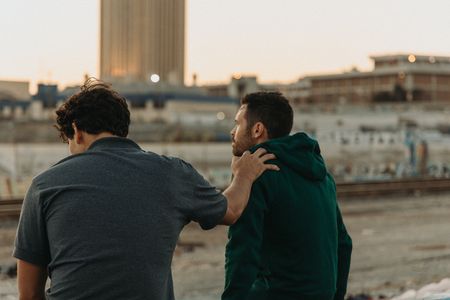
(142, 37)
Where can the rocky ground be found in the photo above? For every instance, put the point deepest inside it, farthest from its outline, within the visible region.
(400, 243)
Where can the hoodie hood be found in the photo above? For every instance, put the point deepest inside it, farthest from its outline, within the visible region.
(298, 152)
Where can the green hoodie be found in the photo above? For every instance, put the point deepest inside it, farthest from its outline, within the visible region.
(290, 242)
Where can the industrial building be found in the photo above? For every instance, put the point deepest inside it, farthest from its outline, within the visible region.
(395, 78)
(139, 38)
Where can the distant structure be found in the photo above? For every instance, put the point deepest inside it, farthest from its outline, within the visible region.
(239, 86)
(14, 90)
(15, 99)
(395, 78)
(139, 38)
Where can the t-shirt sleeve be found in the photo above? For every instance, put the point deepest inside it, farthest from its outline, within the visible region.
(197, 198)
(31, 243)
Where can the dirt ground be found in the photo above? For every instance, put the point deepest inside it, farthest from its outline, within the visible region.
(399, 243)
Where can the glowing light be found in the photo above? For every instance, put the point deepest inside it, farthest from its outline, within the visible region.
(220, 116)
(237, 76)
(432, 59)
(411, 58)
(154, 78)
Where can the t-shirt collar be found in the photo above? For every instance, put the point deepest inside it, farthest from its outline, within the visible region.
(113, 142)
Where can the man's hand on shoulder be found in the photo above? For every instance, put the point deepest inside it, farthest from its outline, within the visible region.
(246, 169)
(251, 165)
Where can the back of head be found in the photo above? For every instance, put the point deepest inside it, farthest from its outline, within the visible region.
(97, 108)
(272, 109)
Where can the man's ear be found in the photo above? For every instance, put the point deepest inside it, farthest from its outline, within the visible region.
(258, 130)
(78, 134)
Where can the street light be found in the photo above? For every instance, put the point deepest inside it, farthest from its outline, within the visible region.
(220, 116)
(154, 78)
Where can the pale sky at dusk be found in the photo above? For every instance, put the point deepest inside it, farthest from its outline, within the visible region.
(280, 40)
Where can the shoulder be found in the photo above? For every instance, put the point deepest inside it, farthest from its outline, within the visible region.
(269, 177)
(176, 161)
(61, 168)
(180, 169)
(176, 164)
(262, 188)
(64, 170)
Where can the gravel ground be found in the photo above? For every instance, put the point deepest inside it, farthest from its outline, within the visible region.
(399, 243)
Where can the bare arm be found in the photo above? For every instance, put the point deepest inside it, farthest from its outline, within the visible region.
(246, 169)
(237, 195)
(31, 281)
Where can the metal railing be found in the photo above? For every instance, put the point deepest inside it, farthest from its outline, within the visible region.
(347, 190)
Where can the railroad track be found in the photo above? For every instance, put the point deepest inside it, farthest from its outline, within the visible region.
(10, 207)
(391, 187)
(345, 190)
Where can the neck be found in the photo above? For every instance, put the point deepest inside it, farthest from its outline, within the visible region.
(261, 140)
(90, 138)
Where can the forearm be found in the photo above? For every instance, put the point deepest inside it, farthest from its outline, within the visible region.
(31, 281)
(237, 194)
(38, 296)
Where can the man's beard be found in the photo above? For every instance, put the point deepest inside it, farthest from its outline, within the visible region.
(244, 143)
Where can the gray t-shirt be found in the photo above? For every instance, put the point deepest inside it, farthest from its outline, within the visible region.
(105, 222)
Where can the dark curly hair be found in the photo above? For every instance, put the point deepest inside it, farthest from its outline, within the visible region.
(95, 109)
(272, 109)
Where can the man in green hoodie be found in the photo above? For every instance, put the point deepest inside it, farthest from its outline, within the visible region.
(290, 242)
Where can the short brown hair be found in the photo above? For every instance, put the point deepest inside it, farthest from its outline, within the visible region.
(272, 109)
(96, 108)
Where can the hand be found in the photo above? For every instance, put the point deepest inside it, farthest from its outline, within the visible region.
(251, 166)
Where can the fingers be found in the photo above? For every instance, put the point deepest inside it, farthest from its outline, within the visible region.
(271, 167)
(260, 155)
(260, 152)
(263, 156)
(268, 156)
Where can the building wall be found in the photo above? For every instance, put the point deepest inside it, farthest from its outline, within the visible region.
(14, 90)
(142, 37)
(229, 109)
(395, 78)
(432, 87)
(238, 87)
(359, 88)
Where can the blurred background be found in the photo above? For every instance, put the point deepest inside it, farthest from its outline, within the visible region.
(370, 80)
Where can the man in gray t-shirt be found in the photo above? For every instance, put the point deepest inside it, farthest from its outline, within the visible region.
(104, 222)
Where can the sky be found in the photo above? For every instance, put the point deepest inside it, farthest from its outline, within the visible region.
(277, 40)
